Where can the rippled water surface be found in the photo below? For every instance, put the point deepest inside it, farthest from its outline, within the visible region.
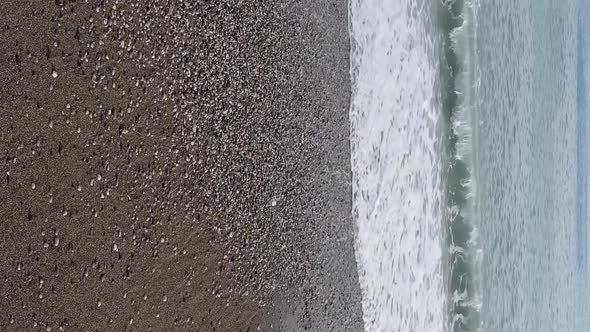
(468, 154)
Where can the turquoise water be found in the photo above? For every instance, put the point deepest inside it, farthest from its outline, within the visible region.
(519, 239)
(469, 155)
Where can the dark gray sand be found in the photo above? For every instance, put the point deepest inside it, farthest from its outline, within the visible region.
(175, 165)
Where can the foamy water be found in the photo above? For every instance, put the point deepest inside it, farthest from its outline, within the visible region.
(470, 191)
(398, 194)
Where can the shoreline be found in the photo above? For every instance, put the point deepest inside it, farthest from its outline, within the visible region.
(329, 296)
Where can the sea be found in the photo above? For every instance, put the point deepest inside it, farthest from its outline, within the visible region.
(469, 153)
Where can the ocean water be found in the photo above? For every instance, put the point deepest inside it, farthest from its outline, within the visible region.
(398, 189)
(469, 157)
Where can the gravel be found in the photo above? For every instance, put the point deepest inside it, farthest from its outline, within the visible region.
(207, 141)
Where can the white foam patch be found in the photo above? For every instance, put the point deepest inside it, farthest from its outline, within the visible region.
(398, 199)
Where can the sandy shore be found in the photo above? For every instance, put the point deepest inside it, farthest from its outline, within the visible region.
(175, 166)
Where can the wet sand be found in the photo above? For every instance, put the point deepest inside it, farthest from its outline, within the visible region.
(175, 166)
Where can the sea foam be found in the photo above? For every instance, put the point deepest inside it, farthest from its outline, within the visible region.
(397, 142)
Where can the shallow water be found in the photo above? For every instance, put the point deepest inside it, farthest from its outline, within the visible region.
(398, 189)
(469, 162)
